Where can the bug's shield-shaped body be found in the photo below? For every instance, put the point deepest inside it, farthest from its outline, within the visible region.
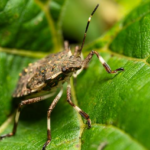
(47, 74)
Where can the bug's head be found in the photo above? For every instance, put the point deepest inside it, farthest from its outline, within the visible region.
(71, 65)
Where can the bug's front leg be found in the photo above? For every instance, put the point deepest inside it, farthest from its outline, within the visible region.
(53, 104)
(82, 113)
(106, 66)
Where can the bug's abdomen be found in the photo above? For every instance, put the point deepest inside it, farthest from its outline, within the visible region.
(46, 87)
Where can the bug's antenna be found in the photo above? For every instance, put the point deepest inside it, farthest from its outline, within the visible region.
(80, 50)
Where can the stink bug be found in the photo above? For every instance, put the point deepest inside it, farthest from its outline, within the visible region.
(41, 79)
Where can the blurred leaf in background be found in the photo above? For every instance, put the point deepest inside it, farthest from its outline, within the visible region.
(109, 12)
(118, 104)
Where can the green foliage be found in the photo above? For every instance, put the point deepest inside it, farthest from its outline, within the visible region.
(118, 104)
(133, 40)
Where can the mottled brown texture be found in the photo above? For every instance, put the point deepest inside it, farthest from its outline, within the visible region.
(41, 76)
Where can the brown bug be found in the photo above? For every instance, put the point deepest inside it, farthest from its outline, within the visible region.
(41, 79)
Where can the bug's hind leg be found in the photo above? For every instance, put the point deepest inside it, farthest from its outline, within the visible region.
(106, 66)
(81, 112)
(23, 103)
(53, 104)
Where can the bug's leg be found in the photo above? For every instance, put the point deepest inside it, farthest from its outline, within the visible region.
(23, 103)
(82, 113)
(106, 66)
(53, 104)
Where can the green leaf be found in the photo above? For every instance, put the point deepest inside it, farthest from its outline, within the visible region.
(118, 104)
(108, 137)
(133, 40)
(25, 25)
